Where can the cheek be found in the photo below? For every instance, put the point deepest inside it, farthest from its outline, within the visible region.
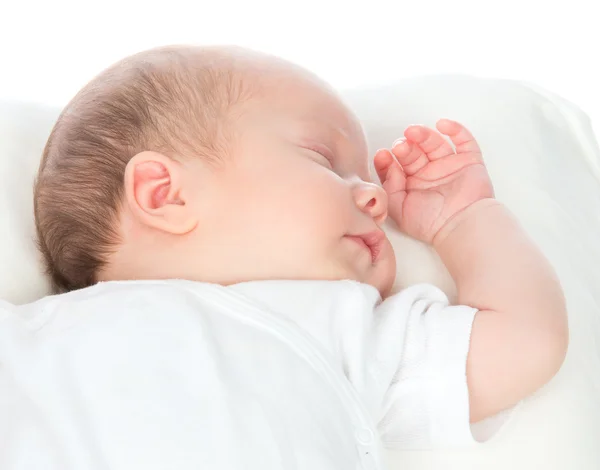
(319, 202)
(284, 211)
(304, 201)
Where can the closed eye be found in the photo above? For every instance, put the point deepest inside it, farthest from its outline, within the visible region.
(322, 153)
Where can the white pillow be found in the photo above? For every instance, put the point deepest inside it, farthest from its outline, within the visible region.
(24, 129)
(546, 167)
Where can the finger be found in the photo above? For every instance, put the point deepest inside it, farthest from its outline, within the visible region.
(431, 142)
(383, 160)
(410, 156)
(394, 183)
(389, 171)
(462, 139)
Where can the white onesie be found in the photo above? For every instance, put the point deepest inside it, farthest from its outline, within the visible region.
(260, 375)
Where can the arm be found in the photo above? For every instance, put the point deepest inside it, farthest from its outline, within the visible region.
(519, 336)
(444, 197)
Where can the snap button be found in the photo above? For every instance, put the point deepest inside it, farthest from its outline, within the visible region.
(365, 436)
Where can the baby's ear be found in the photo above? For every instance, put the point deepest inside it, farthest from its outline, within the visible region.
(154, 193)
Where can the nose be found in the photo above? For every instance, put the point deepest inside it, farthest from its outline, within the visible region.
(372, 200)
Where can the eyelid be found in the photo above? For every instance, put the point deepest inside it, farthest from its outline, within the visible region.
(321, 150)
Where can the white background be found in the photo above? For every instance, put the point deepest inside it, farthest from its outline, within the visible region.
(49, 49)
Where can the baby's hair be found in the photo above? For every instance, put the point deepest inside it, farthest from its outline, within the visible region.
(175, 100)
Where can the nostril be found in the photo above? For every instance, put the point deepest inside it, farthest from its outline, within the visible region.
(372, 202)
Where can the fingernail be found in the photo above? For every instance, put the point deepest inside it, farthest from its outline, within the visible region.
(398, 141)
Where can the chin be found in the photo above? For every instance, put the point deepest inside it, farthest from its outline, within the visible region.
(386, 290)
(384, 286)
(381, 277)
(385, 276)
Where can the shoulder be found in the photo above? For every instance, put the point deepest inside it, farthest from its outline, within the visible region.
(113, 305)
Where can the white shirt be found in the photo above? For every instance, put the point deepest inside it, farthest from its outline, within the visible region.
(260, 375)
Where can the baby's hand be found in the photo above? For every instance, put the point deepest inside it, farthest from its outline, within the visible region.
(427, 182)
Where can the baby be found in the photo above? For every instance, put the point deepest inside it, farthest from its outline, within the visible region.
(228, 193)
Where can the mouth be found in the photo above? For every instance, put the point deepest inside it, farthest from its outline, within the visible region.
(373, 241)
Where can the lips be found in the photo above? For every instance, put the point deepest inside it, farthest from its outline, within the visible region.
(373, 241)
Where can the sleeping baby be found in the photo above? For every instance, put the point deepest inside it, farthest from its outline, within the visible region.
(208, 216)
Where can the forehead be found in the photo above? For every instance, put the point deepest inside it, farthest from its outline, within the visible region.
(304, 108)
(314, 103)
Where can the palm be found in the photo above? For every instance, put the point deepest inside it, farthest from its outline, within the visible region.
(428, 182)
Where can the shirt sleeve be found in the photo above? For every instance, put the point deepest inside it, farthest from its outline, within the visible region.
(419, 353)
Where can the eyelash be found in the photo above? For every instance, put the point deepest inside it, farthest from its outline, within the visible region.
(318, 152)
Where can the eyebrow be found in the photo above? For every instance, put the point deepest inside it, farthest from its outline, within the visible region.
(324, 128)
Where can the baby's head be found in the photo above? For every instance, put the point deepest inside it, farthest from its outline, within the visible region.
(211, 164)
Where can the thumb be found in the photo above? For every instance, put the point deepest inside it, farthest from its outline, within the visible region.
(395, 188)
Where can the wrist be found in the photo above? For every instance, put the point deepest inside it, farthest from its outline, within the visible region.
(457, 220)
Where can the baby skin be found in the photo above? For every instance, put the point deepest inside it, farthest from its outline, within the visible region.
(293, 200)
(444, 197)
